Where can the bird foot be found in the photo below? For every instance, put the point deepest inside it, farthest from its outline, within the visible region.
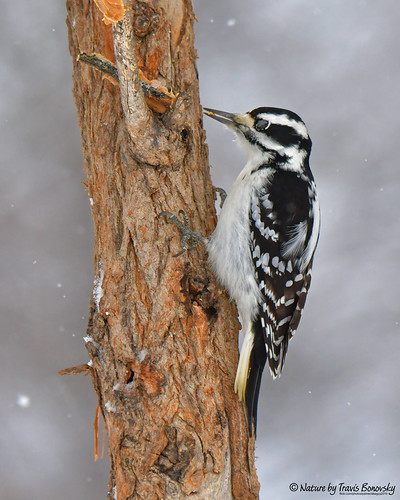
(189, 237)
(222, 195)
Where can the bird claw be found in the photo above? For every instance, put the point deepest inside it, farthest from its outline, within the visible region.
(222, 195)
(188, 235)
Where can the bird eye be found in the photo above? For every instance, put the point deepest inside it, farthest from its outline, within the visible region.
(262, 125)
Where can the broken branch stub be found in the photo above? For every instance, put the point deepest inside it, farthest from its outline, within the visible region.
(151, 139)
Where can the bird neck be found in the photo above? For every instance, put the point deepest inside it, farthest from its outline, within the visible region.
(290, 159)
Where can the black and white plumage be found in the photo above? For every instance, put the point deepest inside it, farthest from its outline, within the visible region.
(262, 248)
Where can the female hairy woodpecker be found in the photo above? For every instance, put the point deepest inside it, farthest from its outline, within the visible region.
(262, 248)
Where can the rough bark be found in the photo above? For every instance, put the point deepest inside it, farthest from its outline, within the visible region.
(162, 336)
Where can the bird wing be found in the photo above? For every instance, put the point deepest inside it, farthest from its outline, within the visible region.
(279, 233)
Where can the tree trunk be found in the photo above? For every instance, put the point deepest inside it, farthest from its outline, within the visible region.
(162, 336)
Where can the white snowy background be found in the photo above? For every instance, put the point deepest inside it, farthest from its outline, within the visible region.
(334, 415)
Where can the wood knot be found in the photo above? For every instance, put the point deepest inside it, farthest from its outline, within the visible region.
(197, 287)
(149, 379)
(185, 135)
(177, 455)
(146, 19)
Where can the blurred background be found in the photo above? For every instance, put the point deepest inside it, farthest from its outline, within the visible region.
(334, 415)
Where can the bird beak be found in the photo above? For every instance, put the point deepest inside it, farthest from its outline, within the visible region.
(233, 120)
(220, 116)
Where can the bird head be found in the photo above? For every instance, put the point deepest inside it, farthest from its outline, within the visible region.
(271, 131)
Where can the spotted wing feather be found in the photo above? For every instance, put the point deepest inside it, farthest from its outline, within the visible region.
(282, 281)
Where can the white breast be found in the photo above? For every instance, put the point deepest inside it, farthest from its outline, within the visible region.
(229, 246)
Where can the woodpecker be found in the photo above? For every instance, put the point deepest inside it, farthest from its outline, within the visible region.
(263, 245)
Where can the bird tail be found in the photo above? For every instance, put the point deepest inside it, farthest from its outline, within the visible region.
(249, 372)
